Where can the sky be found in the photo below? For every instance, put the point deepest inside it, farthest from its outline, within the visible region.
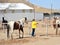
(47, 3)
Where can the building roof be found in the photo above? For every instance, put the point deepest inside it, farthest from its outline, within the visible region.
(37, 8)
(3, 6)
(14, 6)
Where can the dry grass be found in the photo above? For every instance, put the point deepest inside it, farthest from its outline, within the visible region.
(40, 39)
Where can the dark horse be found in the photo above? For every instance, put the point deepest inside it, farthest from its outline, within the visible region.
(56, 24)
(4, 21)
(12, 25)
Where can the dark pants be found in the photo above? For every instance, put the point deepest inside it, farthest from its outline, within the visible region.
(33, 31)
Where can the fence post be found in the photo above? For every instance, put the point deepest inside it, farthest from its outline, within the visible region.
(46, 29)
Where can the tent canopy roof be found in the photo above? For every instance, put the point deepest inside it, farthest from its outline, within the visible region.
(14, 6)
(3, 6)
(19, 6)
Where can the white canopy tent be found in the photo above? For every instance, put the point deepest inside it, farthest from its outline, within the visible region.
(15, 6)
(13, 11)
(4, 6)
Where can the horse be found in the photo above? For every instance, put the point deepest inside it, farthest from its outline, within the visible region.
(4, 21)
(56, 24)
(12, 25)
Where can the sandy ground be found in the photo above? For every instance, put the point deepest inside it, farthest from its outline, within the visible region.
(41, 37)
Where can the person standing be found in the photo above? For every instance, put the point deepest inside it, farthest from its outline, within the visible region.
(34, 25)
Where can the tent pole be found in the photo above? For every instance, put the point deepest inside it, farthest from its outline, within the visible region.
(34, 13)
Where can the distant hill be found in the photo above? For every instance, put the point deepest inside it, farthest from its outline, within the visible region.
(37, 8)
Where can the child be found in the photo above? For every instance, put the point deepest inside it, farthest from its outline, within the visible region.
(34, 25)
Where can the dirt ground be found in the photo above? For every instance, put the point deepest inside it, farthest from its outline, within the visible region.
(41, 38)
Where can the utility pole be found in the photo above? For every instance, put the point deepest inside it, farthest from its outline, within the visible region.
(34, 9)
(51, 9)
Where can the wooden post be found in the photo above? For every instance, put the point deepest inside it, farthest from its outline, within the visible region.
(46, 29)
(56, 29)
